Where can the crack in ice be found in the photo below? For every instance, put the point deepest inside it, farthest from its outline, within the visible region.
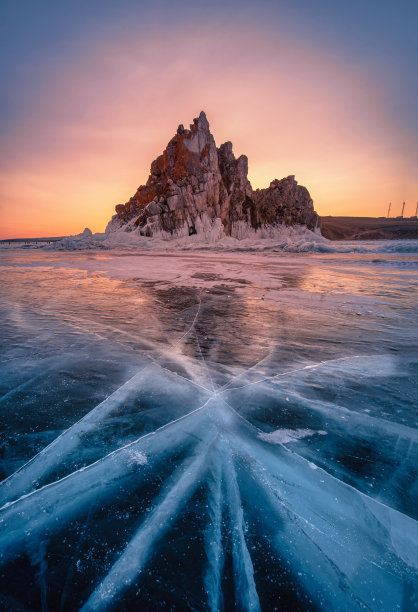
(220, 451)
(131, 562)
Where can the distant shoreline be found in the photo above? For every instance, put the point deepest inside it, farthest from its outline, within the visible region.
(333, 228)
(31, 240)
(369, 228)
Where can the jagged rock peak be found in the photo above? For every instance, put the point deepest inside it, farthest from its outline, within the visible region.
(193, 187)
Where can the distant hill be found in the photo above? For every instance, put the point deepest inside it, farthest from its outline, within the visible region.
(368, 228)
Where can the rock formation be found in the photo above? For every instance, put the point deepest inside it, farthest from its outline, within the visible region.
(194, 187)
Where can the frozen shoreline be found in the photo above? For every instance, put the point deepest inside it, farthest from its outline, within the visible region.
(295, 239)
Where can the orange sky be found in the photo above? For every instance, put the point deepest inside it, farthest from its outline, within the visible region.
(97, 121)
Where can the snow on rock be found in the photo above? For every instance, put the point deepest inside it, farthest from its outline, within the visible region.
(193, 184)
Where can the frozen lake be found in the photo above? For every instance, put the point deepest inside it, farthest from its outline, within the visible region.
(209, 430)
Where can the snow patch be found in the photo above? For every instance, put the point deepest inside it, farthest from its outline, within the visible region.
(137, 458)
(284, 436)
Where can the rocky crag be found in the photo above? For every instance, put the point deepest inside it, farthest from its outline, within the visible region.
(195, 187)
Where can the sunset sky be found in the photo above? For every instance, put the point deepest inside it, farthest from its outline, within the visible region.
(93, 90)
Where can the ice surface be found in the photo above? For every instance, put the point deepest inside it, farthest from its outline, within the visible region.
(209, 430)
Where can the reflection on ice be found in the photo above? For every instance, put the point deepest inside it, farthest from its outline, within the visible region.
(225, 447)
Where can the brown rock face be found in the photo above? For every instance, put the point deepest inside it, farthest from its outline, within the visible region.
(193, 185)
